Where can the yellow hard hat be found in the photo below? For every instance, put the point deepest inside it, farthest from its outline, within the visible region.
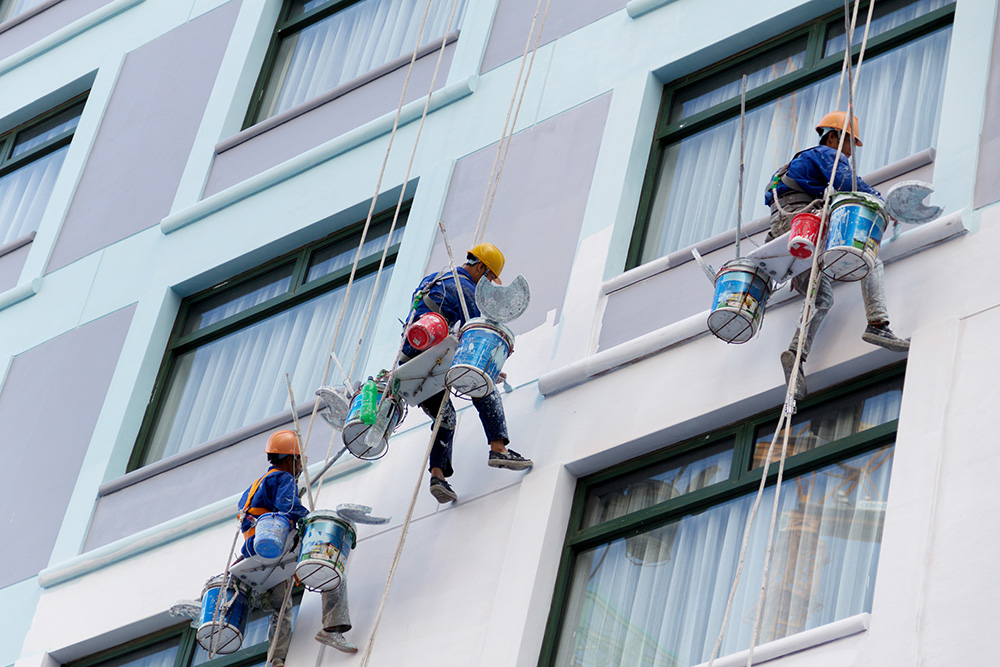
(282, 442)
(490, 255)
(837, 120)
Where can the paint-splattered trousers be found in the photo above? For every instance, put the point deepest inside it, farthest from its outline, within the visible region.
(490, 409)
(872, 285)
(336, 616)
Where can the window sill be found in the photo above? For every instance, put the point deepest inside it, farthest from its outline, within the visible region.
(637, 8)
(683, 256)
(799, 642)
(210, 447)
(341, 90)
(17, 244)
(20, 293)
(922, 238)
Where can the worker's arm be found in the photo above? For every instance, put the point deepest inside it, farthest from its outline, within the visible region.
(286, 497)
(812, 171)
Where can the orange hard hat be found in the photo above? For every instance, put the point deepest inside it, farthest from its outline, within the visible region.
(837, 120)
(282, 442)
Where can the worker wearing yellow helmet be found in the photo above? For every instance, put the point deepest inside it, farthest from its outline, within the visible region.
(437, 293)
(800, 184)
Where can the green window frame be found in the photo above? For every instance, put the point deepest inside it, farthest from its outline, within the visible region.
(733, 480)
(199, 324)
(812, 37)
(30, 152)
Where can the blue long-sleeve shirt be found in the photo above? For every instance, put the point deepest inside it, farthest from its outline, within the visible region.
(445, 295)
(811, 170)
(277, 493)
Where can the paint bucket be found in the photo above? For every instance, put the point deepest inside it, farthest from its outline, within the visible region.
(427, 332)
(857, 222)
(356, 431)
(741, 293)
(223, 630)
(482, 350)
(326, 543)
(803, 236)
(270, 534)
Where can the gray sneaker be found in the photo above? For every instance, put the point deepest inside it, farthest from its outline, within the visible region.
(787, 362)
(881, 335)
(510, 460)
(442, 491)
(336, 640)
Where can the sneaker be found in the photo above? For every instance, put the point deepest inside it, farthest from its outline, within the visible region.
(510, 460)
(787, 362)
(336, 640)
(442, 491)
(881, 335)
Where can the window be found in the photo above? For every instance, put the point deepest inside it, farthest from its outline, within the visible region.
(232, 344)
(11, 8)
(30, 158)
(320, 44)
(653, 544)
(692, 178)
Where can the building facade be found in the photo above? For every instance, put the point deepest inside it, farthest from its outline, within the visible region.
(184, 187)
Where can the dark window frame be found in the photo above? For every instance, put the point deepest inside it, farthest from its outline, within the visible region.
(9, 138)
(299, 291)
(815, 68)
(743, 480)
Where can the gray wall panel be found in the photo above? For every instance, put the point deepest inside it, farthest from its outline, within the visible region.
(539, 206)
(513, 21)
(49, 406)
(10, 267)
(328, 121)
(22, 34)
(988, 174)
(146, 136)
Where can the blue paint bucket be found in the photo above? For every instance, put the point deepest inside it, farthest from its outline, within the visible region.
(355, 431)
(857, 223)
(326, 544)
(224, 614)
(482, 351)
(270, 535)
(741, 293)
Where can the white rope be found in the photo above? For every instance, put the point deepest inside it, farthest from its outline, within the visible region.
(743, 139)
(298, 438)
(277, 625)
(454, 272)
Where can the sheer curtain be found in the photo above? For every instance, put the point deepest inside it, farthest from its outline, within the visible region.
(898, 102)
(661, 603)
(24, 194)
(350, 43)
(163, 654)
(12, 8)
(240, 379)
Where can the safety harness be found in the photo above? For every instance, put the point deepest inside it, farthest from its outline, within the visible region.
(254, 511)
(424, 295)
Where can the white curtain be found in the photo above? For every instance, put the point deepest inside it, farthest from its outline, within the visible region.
(24, 194)
(888, 15)
(350, 43)
(14, 7)
(898, 103)
(660, 600)
(158, 655)
(240, 379)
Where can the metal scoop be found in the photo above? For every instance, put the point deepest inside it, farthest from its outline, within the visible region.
(904, 202)
(503, 303)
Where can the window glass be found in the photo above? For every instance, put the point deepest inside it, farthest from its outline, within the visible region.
(24, 194)
(162, 654)
(242, 297)
(347, 44)
(888, 14)
(656, 484)
(832, 421)
(341, 254)
(300, 7)
(657, 598)
(694, 198)
(59, 124)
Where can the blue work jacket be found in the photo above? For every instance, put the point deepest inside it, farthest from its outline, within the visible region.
(276, 492)
(445, 295)
(811, 169)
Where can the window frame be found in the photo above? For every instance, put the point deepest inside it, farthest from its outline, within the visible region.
(299, 291)
(815, 68)
(743, 480)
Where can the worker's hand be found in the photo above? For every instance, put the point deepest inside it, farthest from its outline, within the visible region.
(502, 377)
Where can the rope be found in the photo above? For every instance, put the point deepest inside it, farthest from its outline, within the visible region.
(298, 437)
(454, 272)
(493, 182)
(277, 628)
(743, 136)
(788, 410)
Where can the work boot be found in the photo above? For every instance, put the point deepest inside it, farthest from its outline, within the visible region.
(510, 460)
(787, 362)
(336, 640)
(442, 491)
(881, 335)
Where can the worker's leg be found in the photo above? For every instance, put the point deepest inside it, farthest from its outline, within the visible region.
(824, 301)
(490, 409)
(440, 459)
(336, 619)
(280, 631)
(873, 293)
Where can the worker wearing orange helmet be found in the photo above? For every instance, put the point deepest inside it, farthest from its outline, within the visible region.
(794, 187)
(437, 293)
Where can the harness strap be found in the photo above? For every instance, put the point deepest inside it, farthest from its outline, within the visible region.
(254, 511)
(424, 294)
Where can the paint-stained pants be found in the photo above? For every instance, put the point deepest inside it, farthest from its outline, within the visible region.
(872, 287)
(490, 409)
(336, 615)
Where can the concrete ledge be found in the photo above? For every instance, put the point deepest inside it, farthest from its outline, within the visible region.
(637, 8)
(798, 642)
(909, 243)
(341, 90)
(63, 35)
(169, 531)
(17, 244)
(20, 293)
(327, 151)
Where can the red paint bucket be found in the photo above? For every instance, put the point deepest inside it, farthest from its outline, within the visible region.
(805, 231)
(427, 332)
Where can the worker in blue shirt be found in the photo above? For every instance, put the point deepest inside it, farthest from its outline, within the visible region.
(798, 184)
(438, 293)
